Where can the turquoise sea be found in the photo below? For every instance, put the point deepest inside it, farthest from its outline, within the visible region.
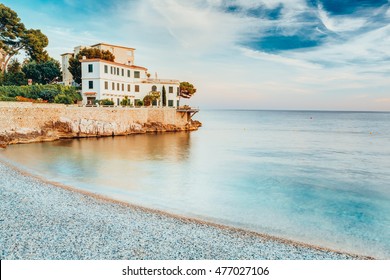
(321, 178)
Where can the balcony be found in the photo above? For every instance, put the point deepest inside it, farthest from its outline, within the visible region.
(187, 109)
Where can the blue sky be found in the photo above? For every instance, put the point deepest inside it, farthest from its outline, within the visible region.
(253, 54)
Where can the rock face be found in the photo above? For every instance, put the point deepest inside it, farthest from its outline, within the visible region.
(82, 125)
(66, 128)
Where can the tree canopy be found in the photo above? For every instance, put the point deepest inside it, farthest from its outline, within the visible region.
(75, 64)
(14, 37)
(44, 72)
(187, 90)
(14, 75)
(152, 97)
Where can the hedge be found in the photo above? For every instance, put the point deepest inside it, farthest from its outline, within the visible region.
(44, 92)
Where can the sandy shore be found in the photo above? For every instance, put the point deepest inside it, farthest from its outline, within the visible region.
(42, 221)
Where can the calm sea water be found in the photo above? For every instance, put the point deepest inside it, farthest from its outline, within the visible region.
(318, 177)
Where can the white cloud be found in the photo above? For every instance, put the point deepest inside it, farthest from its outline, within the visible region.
(193, 25)
(369, 49)
(279, 59)
(340, 23)
(198, 42)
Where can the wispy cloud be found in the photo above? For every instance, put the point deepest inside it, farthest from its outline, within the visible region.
(278, 54)
(340, 23)
(279, 59)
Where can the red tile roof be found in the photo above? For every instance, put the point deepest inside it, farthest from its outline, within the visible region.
(113, 63)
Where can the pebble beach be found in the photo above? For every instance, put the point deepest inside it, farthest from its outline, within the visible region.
(39, 220)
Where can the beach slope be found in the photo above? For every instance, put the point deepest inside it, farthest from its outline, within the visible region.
(42, 221)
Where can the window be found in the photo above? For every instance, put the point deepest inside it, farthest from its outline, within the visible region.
(136, 74)
(136, 88)
(117, 71)
(113, 86)
(123, 87)
(117, 101)
(128, 87)
(178, 92)
(106, 85)
(154, 88)
(170, 103)
(128, 73)
(90, 68)
(90, 84)
(112, 70)
(171, 90)
(106, 69)
(123, 72)
(117, 86)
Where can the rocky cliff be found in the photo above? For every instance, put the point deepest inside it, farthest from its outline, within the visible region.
(18, 124)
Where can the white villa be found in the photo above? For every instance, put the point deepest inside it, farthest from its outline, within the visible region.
(118, 79)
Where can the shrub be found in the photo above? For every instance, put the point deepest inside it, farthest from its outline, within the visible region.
(124, 102)
(44, 92)
(6, 98)
(106, 102)
(63, 99)
(140, 103)
(47, 94)
(24, 99)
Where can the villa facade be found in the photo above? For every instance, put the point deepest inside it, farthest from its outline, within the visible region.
(119, 79)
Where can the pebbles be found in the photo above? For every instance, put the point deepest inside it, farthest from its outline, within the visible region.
(42, 221)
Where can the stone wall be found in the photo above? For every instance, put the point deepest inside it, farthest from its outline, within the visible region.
(22, 122)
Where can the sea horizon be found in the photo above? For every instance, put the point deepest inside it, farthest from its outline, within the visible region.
(296, 110)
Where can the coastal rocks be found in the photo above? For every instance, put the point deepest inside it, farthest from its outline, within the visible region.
(196, 123)
(21, 122)
(23, 135)
(78, 128)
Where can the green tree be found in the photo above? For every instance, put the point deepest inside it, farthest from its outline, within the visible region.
(35, 43)
(14, 79)
(11, 31)
(14, 66)
(152, 97)
(14, 37)
(164, 96)
(75, 64)
(13, 76)
(43, 73)
(187, 90)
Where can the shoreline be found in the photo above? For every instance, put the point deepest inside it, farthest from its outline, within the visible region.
(281, 245)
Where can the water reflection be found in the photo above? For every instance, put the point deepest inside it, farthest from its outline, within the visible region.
(115, 162)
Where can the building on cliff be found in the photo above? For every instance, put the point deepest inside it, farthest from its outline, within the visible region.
(118, 79)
